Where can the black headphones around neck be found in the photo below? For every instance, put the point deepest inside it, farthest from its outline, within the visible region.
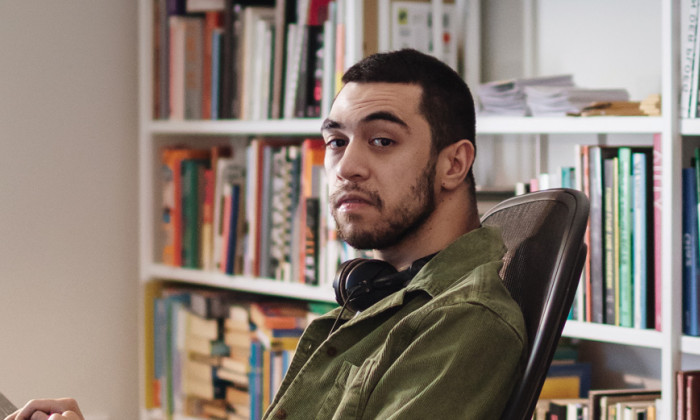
(362, 282)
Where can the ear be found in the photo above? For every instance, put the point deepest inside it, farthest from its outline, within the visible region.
(454, 163)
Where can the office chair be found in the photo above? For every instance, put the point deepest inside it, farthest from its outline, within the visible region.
(544, 234)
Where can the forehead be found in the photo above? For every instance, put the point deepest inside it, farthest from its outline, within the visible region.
(359, 99)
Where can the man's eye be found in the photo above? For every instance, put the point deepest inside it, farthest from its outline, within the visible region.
(336, 143)
(381, 142)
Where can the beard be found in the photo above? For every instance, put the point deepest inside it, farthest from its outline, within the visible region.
(397, 223)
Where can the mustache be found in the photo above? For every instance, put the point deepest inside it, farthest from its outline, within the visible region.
(369, 195)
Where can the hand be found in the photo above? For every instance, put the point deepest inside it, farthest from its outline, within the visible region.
(58, 409)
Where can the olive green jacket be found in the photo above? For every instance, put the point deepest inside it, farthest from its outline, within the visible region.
(448, 346)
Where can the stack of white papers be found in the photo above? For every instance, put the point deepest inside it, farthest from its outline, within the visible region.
(541, 96)
(558, 101)
(508, 97)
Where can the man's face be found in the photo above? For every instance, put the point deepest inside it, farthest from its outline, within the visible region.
(379, 165)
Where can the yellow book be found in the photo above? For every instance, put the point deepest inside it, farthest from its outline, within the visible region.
(561, 387)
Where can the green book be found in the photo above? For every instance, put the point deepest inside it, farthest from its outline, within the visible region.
(191, 217)
(626, 297)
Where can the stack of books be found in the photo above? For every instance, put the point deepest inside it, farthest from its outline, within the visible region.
(220, 354)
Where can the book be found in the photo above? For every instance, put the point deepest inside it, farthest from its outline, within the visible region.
(695, 74)
(230, 172)
(567, 380)
(329, 45)
(600, 401)
(567, 409)
(161, 62)
(592, 177)
(642, 255)
(691, 259)
(251, 51)
(255, 380)
(229, 101)
(313, 151)
(213, 22)
(657, 166)
(687, 394)
(609, 205)
(285, 184)
(625, 236)
(192, 173)
(284, 11)
(186, 66)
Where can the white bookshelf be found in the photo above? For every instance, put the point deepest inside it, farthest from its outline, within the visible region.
(294, 127)
(670, 342)
(248, 284)
(569, 125)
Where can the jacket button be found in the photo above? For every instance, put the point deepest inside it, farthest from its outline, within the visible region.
(331, 351)
(281, 414)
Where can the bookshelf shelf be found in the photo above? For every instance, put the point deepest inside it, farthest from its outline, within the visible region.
(613, 334)
(690, 345)
(690, 126)
(294, 127)
(242, 283)
(568, 125)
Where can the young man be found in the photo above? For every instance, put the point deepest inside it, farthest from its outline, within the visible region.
(451, 342)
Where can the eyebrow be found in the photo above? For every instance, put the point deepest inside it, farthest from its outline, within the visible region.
(329, 124)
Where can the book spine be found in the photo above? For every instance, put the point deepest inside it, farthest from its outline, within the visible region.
(625, 229)
(610, 250)
(640, 240)
(690, 254)
(596, 245)
(657, 212)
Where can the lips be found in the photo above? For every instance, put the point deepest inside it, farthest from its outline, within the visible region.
(351, 200)
(347, 200)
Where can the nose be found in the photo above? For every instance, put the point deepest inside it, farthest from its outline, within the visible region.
(353, 165)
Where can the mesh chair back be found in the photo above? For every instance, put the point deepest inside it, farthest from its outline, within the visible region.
(543, 232)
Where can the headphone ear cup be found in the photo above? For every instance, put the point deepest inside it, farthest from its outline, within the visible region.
(340, 280)
(355, 282)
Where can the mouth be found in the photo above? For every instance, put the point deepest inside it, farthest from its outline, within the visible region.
(348, 201)
(351, 199)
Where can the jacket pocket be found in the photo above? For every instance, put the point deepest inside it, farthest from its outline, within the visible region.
(347, 373)
(348, 397)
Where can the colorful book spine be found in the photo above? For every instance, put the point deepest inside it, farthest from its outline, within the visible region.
(610, 245)
(640, 245)
(691, 260)
(658, 240)
(625, 236)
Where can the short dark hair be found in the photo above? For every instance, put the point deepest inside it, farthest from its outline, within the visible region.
(446, 103)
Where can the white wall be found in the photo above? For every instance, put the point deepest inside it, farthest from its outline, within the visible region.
(600, 42)
(68, 188)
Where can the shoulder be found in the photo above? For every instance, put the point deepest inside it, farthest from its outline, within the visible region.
(478, 299)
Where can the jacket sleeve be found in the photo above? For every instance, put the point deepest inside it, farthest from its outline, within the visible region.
(460, 362)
